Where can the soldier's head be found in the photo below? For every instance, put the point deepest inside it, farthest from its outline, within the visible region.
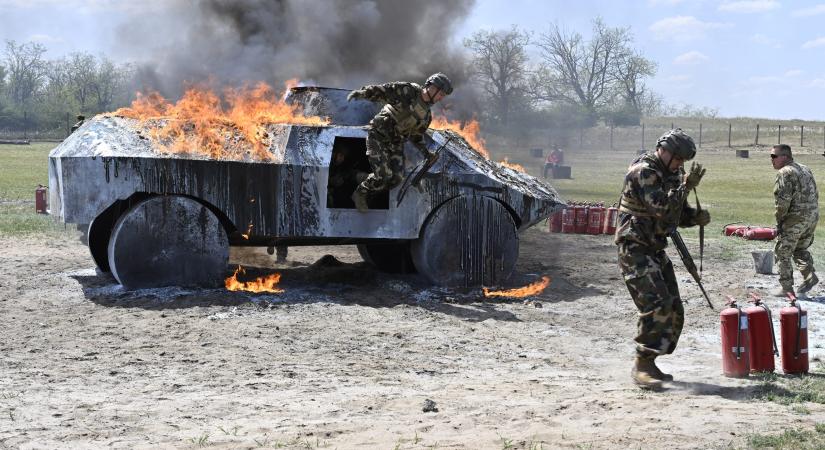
(781, 155)
(436, 88)
(674, 148)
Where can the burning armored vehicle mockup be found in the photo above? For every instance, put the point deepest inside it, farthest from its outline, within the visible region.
(158, 217)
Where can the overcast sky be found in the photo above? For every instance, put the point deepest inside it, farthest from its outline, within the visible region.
(760, 58)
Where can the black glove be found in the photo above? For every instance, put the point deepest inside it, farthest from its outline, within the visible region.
(702, 217)
(694, 176)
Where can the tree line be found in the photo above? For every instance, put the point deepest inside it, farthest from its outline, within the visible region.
(569, 81)
(37, 94)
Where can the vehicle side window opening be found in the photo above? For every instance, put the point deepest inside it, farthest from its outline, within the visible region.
(348, 165)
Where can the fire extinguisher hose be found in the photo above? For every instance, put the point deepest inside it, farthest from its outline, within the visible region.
(770, 325)
(798, 331)
(738, 332)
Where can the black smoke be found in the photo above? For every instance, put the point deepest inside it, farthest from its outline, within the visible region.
(338, 43)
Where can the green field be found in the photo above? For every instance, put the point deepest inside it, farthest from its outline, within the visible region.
(22, 168)
(734, 189)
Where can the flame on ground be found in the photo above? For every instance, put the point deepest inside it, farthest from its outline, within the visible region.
(526, 291)
(514, 166)
(260, 284)
(470, 131)
(199, 123)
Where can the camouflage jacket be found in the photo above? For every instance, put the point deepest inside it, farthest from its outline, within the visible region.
(795, 195)
(653, 202)
(404, 116)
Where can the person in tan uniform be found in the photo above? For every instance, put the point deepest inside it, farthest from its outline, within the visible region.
(797, 211)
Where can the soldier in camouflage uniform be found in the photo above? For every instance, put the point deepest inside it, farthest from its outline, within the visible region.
(653, 203)
(405, 116)
(797, 212)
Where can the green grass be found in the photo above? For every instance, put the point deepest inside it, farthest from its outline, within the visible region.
(734, 189)
(795, 439)
(22, 168)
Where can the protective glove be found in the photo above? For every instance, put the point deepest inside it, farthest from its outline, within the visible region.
(694, 176)
(356, 94)
(702, 217)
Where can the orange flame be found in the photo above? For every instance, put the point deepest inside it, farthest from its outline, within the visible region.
(260, 284)
(199, 123)
(470, 131)
(526, 291)
(514, 166)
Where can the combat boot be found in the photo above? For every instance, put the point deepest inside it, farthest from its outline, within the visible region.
(783, 292)
(359, 197)
(808, 284)
(643, 373)
(657, 373)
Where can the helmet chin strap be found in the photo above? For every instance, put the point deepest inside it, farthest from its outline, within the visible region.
(664, 150)
(431, 97)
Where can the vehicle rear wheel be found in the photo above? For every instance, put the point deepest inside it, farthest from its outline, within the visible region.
(468, 241)
(168, 241)
(390, 258)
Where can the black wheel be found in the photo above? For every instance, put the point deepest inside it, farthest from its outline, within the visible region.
(390, 257)
(468, 241)
(168, 241)
(98, 234)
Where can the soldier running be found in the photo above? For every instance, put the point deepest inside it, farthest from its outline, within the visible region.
(405, 116)
(654, 202)
(797, 212)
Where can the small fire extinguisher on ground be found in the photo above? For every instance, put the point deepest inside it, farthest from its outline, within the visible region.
(595, 219)
(735, 359)
(555, 222)
(41, 202)
(762, 340)
(793, 326)
(568, 219)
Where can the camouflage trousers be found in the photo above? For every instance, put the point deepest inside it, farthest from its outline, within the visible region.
(793, 243)
(386, 157)
(652, 285)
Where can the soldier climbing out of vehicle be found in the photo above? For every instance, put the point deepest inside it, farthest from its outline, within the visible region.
(405, 116)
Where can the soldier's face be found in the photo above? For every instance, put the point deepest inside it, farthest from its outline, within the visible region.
(434, 94)
(778, 160)
(674, 163)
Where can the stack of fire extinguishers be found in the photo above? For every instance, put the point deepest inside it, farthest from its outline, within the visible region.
(584, 218)
(749, 342)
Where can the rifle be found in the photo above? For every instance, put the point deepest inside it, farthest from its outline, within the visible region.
(419, 171)
(688, 262)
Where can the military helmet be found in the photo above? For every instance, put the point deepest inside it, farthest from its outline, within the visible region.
(440, 81)
(678, 142)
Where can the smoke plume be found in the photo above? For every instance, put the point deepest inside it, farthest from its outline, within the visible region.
(337, 43)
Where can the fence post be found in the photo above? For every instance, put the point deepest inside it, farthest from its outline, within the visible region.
(643, 136)
(779, 140)
(671, 126)
(25, 125)
(730, 127)
(802, 136)
(581, 137)
(611, 136)
(68, 129)
(700, 134)
(757, 134)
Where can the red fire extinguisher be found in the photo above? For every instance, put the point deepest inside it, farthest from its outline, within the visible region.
(41, 202)
(759, 233)
(793, 326)
(555, 221)
(582, 211)
(595, 219)
(734, 229)
(611, 220)
(568, 219)
(762, 340)
(735, 360)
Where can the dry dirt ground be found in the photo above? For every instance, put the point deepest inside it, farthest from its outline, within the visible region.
(347, 357)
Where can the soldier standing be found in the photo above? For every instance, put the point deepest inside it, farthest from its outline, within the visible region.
(797, 212)
(405, 116)
(654, 202)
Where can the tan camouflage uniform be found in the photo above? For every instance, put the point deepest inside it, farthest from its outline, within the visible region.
(405, 116)
(797, 212)
(653, 202)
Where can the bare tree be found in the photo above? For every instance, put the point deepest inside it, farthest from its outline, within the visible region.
(110, 83)
(630, 70)
(499, 63)
(26, 72)
(576, 71)
(82, 73)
